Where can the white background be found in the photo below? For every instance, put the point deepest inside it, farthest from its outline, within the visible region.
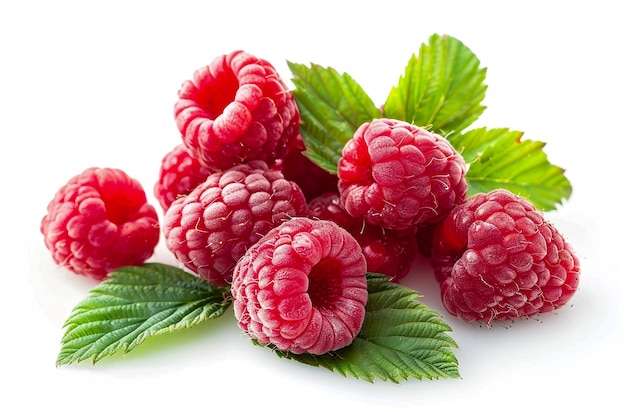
(94, 83)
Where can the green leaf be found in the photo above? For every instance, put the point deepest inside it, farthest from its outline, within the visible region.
(401, 338)
(500, 158)
(332, 106)
(136, 302)
(442, 88)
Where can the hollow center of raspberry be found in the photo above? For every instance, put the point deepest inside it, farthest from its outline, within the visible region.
(325, 283)
(122, 205)
(218, 94)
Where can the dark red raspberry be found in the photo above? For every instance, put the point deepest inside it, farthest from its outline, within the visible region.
(99, 221)
(211, 228)
(397, 175)
(179, 174)
(424, 237)
(312, 179)
(496, 258)
(235, 110)
(302, 287)
(386, 251)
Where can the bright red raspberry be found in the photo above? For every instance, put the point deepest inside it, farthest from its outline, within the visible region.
(99, 221)
(210, 229)
(386, 251)
(179, 174)
(235, 110)
(302, 287)
(496, 257)
(397, 175)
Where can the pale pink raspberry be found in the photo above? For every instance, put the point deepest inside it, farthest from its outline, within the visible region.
(210, 229)
(397, 175)
(179, 174)
(235, 110)
(496, 257)
(99, 221)
(302, 287)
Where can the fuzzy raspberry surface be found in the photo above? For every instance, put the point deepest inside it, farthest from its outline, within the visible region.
(386, 251)
(99, 221)
(210, 229)
(235, 110)
(397, 175)
(302, 287)
(496, 258)
(179, 174)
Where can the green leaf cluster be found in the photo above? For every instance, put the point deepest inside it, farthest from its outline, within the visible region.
(134, 303)
(442, 89)
(401, 338)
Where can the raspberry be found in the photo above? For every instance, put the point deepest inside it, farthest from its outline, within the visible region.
(496, 257)
(302, 287)
(386, 251)
(179, 174)
(235, 110)
(397, 175)
(99, 221)
(210, 229)
(312, 179)
(425, 236)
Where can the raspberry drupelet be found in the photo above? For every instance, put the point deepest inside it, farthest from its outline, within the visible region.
(210, 229)
(99, 221)
(302, 287)
(397, 175)
(496, 258)
(387, 251)
(235, 110)
(179, 174)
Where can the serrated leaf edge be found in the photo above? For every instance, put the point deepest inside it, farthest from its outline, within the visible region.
(177, 316)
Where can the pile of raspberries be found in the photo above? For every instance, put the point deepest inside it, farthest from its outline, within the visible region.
(243, 206)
